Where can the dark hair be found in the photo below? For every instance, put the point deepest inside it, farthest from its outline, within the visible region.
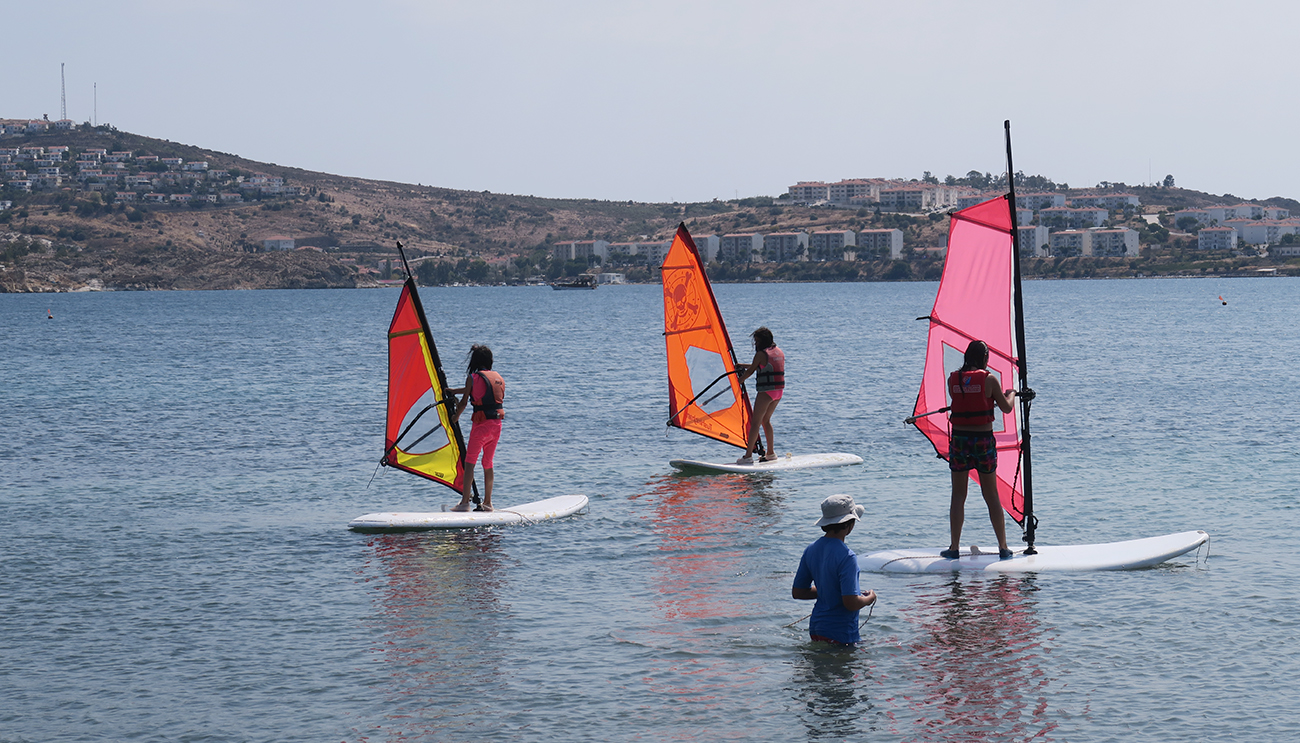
(838, 527)
(762, 339)
(478, 359)
(977, 356)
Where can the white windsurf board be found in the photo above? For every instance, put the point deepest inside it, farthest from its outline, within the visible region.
(780, 464)
(1134, 553)
(542, 510)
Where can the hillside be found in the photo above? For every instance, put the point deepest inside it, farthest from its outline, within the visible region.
(67, 240)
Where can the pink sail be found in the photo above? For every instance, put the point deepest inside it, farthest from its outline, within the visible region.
(975, 302)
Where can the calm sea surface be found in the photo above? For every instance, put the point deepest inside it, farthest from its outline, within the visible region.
(177, 470)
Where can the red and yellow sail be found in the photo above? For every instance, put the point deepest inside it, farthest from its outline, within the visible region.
(420, 436)
(704, 394)
(975, 302)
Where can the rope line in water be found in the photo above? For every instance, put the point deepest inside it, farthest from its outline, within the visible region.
(871, 609)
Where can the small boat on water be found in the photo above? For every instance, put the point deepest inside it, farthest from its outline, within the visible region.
(582, 281)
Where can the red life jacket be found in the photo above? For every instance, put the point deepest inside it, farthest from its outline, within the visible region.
(771, 376)
(490, 406)
(969, 405)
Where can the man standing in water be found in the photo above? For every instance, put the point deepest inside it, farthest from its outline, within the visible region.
(974, 391)
(828, 574)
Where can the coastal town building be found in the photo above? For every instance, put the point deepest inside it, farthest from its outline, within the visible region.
(785, 246)
(1216, 238)
(1040, 200)
(278, 242)
(1122, 242)
(1104, 200)
(826, 245)
(741, 247)
(707, 245)
(1064, 217)
(875, 242)
(581, 250)
(1032, 240)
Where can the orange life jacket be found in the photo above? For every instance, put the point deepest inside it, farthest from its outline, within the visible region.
(491, 406)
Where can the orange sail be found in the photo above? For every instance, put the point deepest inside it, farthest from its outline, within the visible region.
(704, 394)
(420, 436)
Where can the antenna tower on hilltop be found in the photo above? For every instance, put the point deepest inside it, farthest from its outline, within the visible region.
(63, 95)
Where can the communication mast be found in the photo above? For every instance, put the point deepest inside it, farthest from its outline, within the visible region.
(63, 95)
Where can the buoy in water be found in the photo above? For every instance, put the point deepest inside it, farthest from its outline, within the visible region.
(49, 314)
(1221, 299)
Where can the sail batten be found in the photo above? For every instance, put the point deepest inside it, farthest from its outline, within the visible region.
(975, 302)
(700, 354)
(420, 435)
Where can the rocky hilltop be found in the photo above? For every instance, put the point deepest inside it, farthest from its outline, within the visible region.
(75, 237)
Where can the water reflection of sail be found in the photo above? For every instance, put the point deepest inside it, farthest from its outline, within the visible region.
(702, 525)
(979, 655)
(706, 598)
(439, 632)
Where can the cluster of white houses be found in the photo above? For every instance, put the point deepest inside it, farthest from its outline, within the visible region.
(34, 126)
(744, 247)
(1222, 227)
(128, 177)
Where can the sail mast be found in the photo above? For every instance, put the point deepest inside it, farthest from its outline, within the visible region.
(1021, 363)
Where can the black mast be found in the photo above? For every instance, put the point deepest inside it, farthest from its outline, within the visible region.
(1025, 397)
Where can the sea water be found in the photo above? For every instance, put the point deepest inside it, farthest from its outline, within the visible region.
(177, 470)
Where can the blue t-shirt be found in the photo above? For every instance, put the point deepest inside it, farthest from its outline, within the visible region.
(833, 568)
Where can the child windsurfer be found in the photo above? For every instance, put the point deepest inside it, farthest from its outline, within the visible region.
(486, 391)
(974, 392)
(769, 362)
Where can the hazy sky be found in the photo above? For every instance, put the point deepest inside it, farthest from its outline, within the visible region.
(682, 100)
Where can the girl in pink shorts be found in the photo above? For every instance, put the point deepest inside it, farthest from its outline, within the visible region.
(486, 391)
(769, 363)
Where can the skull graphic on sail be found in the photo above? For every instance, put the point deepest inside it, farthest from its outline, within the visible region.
(704, 395)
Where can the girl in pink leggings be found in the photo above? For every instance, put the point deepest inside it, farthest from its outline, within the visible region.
(486, 391)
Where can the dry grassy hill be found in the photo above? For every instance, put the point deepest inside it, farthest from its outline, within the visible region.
(69, 240)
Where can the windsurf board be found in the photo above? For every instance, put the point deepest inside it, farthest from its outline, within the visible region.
(780, 464)
(542, 510)
(1128, 555)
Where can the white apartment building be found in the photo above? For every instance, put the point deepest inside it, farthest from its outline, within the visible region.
(809, 192)
(876, 240)
(854, 191)
(581, 250)
(1033, 240)
(1121, 242)
(1118, 243)
(1263, 231)
(979, 198)
(278, 242)
(908, 199)
(1201, 216)
(622, 251)
(1070, 218)
(706, 245)
(1042, 200)
(1105, 200)
(829, 244)
(655, 253)
(783, 247)
(1216, 238)
(741, 247)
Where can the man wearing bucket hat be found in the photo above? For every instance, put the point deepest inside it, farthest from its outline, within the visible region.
(828, 574)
